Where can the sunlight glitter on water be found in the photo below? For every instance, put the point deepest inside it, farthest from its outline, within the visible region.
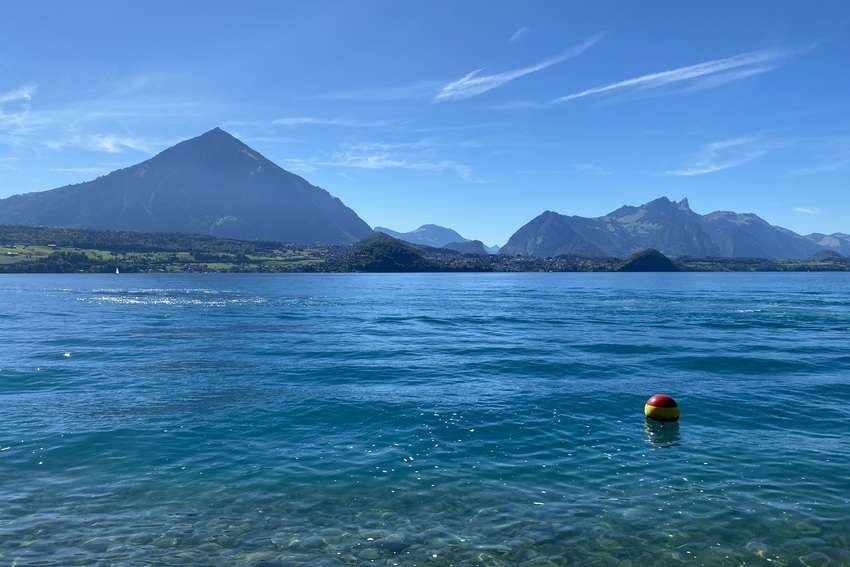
(379, 420)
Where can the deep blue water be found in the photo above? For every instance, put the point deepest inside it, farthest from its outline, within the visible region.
(486, 419)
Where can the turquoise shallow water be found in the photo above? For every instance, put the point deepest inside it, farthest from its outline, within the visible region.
(486, 419)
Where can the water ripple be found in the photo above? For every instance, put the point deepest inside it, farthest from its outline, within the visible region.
(409, 419)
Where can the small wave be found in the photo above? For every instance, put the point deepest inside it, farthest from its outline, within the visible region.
(747, 365)
(158, 296)
(172, 301)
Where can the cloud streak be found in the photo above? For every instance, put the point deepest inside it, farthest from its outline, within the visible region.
(314, 121)
(117, 116)
(88, 170)
(722, 155)
(832, 154)
(377, 156)
(421, 90)
(807, 210)
(107, 143)
(822, 168)
(7, 163)
(116, 144)
(519, 35)
(385, 161)
(101, 124)
(15, 106)
(22, 93)
(474, 83)
(704, 75)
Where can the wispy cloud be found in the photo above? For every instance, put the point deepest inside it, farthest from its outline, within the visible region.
(7, 163)
(88, 170)
(721, 79)
(829, 154)
(344, 122)
(389, 146)
(425, 154)
(425, 144)
(21, 93)
(268, 139)
(440, 128)
(704, 75)
(108, 143)
(421, 90)
(725, 154)
(474, 83)
(589, 167)
(14, 108)
(828, 167)
(807, 210)
(519, 35)
(585, 167)
(520, 105)
(378, 155)
(299, 165)
(116, 144)
(112, 120)
(386, 161)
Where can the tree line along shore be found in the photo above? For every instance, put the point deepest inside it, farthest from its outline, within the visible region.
(25, 249)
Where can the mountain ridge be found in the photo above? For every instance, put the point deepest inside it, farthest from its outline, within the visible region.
(426, 235)
(670, 227)
(210, 184)
(216, 185)
(468, 247)
(836, 242)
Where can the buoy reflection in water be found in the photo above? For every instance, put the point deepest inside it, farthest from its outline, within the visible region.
(662, 433)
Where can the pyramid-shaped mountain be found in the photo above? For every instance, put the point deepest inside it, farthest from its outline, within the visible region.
(213, 184)
(668, 226)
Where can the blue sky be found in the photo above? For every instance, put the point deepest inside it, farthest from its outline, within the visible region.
(477, 115)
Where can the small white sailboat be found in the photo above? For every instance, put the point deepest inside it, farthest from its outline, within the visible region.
(116, 271)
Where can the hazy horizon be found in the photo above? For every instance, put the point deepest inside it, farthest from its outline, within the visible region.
(472, 116)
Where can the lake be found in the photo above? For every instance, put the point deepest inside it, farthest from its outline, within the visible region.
(424, 419)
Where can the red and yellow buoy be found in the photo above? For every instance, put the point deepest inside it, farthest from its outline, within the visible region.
(661, 407)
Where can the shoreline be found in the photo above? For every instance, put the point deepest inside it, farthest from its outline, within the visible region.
(26, 249)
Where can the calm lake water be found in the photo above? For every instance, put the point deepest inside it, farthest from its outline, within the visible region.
(482, 419)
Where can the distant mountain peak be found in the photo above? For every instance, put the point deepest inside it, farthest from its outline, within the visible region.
(665, 203)
(837, 242)
(217, 135)
(668, 226)
(215, 140)
(216, 149)
(431, 227)
(432, 235)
